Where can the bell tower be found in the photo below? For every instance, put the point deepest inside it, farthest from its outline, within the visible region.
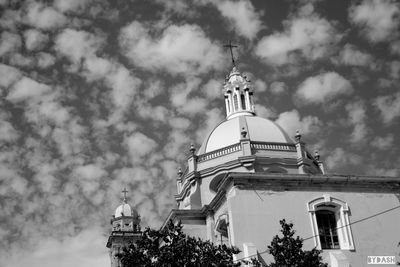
(238, 95)
(125, 230)
(237, 91)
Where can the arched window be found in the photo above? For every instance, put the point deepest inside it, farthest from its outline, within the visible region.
(235, 102)
(221, 230)
(243, 101)
(330, 223)
(327, 229)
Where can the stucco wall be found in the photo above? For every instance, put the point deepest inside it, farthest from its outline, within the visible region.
(195, 228)
(255, 215)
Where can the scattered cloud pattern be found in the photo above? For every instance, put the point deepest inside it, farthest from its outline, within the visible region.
(101, 95)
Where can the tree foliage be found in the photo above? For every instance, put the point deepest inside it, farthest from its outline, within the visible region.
(398, 263)
(288, 250)
(171, 247)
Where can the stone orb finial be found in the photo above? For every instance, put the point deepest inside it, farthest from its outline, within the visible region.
(244, 132)
(297, 136)
(316, 155)
(192, 149)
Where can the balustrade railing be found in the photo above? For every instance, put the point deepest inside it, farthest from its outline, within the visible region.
(254, 145)
(219, 152)
(272, 146)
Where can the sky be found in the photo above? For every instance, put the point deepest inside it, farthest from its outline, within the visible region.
(100, 95)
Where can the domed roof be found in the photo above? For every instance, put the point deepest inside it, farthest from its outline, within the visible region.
(257, 129)
(124, 210)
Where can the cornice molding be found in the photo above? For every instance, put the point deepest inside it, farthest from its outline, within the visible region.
(303, 182)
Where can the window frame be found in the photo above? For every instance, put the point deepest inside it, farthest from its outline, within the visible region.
(328, 219)
(235, 102)
(222, 230)
(341, 211)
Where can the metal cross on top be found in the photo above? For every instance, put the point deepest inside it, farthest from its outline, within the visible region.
(231, 46)
(124, 191)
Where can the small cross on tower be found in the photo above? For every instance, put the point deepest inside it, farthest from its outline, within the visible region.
(231, 46)
(124, 192)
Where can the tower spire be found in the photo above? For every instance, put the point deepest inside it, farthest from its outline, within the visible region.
(231, 46)
(238, 93)
(124, 192)
(125, 230)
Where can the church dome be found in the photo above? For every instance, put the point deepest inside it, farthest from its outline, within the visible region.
(124, 210)
(256, 129)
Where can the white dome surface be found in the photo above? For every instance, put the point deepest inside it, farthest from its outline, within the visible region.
(123, 210)
(229, 132)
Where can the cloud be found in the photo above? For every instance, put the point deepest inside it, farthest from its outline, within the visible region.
(45, 60)
(311, 36)
(213, 89)
(290, 121)
(212, 118)
(76, 45)
(89, 178)
(376, 170)
(340, 158)
(351, 56)
(139, 145)
(90, 171)
(394, 67)
(8, 75)
(379, 20)
(264, 112)
(389, 106)
(69, 140)
(183, 101)
(242, 16)
(157, 114)
(7, 130)
(85, 249)
(383, 143)
(9, 42)
(357, 116)
(260, 86)
(27, 89)
(34, 39)
(179, 123)
(124, 85)
(395, 47)
(51, 110)
(178, 142)
(180, 7)
(10, 19)
(43, 17)
(193, 106)
(78, 6)
(323, 87)
(278, 88)
(178, 49)
(21, 60)
(153, 89)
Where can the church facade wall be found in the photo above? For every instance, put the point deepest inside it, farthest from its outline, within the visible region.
(254, 218)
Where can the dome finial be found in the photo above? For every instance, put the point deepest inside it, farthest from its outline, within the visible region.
(316, 155)
(297, 136)
(231, 46)
(192, 149)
